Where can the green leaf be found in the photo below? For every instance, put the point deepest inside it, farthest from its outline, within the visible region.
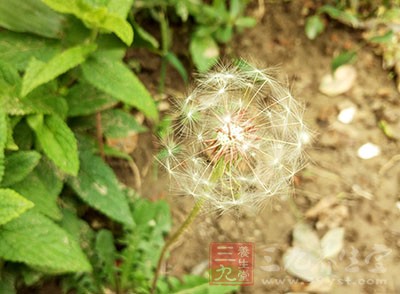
(30, 16)
(23, 136)
(200, 285)
(11, 122)
(120, 7)
(3, 140)
(314, 26)
(245, 22)
(57, 140)
(224, 34)
(143, 38)
(115, 78)
(177, 64)
(12, 205)
(37, 241)
(84, 99)
(152, 218)
(42, 187)
(18, 165)
(144, 241)
(343, 58)
(120, 27)
(96, 17)
(117, 123)
(385, 38)
(39, 72)
(98, 186)
(17, 49)
(340, 15)
(106, 254)
(204, 51)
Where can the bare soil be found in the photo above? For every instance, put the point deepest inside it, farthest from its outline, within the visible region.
(360, 195)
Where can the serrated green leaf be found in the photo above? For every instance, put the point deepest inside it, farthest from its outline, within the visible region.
(17, 49)
(144, 240)
(314, 26)
(97, 185)
(18, 165)
(84, 99)
(42, 187)
(96, 17)
(343, 58)
(57, 140)
(117, 123)
(30, 16)
(12, 205)
(39, 73)
(204, 51)
(3, 140)
(177, 64)
(34, 103)
(37, 241)
(115, 78)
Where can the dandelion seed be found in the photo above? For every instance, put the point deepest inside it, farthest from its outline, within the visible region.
(241, 137)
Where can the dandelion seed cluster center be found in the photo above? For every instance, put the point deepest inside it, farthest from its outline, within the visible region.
(243, 125)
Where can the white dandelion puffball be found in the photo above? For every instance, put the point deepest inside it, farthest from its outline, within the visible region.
(237, 139)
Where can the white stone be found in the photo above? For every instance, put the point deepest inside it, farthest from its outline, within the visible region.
(368, 151)
(346, 115)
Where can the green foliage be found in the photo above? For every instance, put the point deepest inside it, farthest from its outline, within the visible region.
(62, 74)
(35, 240)
(343, 58)
(12, 205)
(42, 186)
(17, 15)
(120, 124)
(18, 165)
(97, 17)
(194, 285)
(57, 140)
(114, 78)
(204, 50)
(314, 26)
(97, 185)
(38, 73)
(375, 18)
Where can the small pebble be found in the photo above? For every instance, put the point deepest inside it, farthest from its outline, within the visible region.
(346, 115)
(368, 151)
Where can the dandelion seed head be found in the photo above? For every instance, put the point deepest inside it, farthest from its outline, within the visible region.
(240, 139)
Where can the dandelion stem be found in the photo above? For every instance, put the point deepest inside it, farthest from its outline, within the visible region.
(189, 220)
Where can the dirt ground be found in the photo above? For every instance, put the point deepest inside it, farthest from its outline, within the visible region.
(359, 195)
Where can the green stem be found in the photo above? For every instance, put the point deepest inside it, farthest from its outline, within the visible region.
(189, 220)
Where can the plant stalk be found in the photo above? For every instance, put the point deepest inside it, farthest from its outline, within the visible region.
(189, 220)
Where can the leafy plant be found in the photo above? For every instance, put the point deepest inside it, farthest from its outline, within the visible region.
(64, 88)
(377, 19)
